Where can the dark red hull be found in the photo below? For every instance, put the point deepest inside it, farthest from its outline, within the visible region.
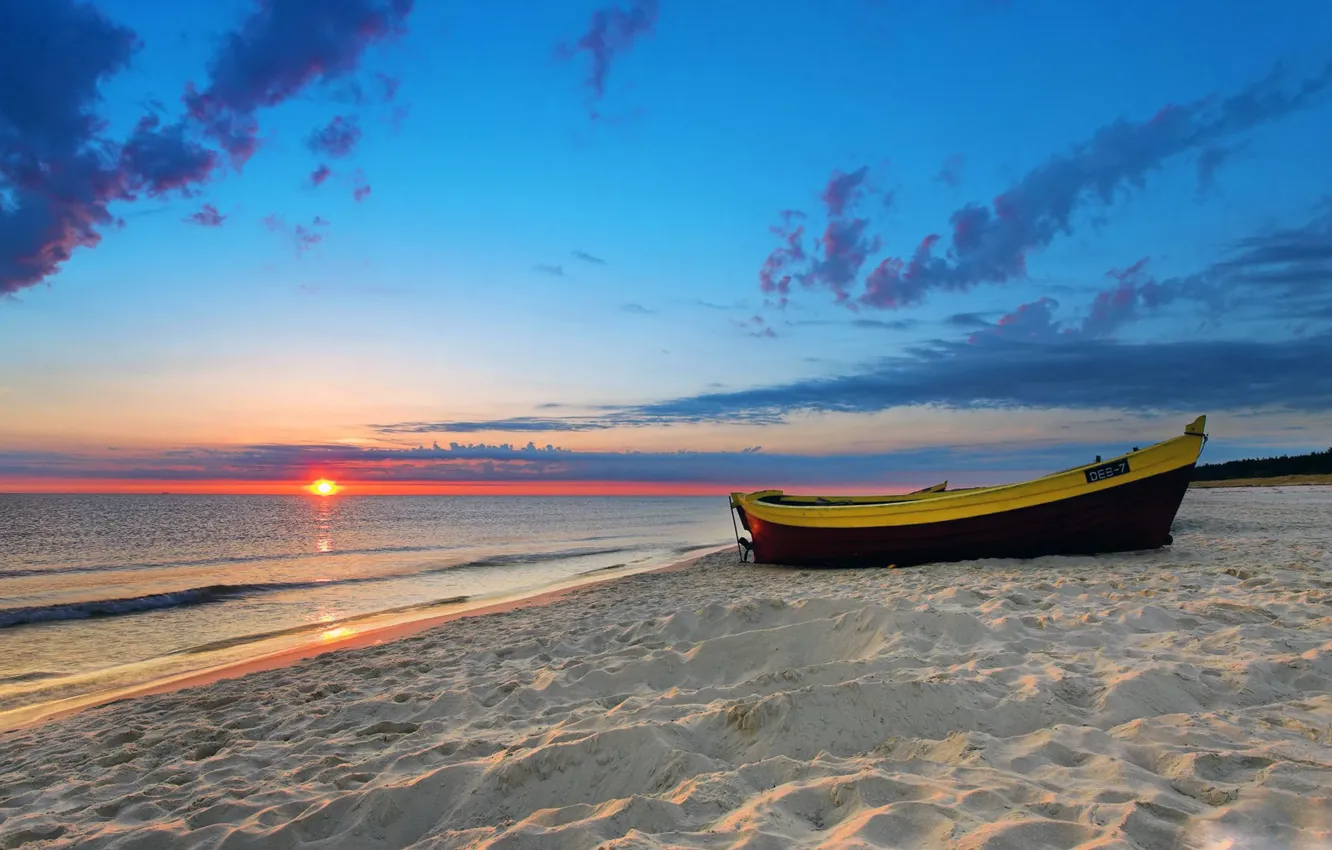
(1128, 517)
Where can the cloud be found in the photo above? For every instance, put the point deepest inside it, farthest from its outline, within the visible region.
(894, 325)
(517, 424)
(1279, 274)
(1034, 321)
(549, 269)
(361, 188)
(874, 324)
(755, 326)
(774, 276)
(279, 50)
(160, 161)
(846, 245)
(844, 190)
(611, 33)
(837, 258)
(894, 283)
(320, 174)
(1209, 162)
(588, 258)
(337, 139)
(1117, 306)
(637, 309)
(508, 463)
(207, 216)
(302, 238)
(1192, 375)
(57, 174)
(967, 320)
(950, 172)
(60, 173)
(736, 305)
(991, 244)
(1294, 258)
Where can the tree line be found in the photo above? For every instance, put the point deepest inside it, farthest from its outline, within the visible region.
(1314, 463)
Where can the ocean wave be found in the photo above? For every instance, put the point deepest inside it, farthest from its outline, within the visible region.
(515, 559)
(35, 676)
(216, 562)
(122, 606)
(31, 615)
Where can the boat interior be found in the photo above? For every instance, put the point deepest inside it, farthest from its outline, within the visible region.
(777, 497)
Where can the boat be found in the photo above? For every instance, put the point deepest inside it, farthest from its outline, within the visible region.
(1126, 503)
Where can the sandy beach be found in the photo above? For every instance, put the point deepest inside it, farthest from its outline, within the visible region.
(1179, 698)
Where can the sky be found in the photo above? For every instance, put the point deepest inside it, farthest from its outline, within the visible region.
(655, 246)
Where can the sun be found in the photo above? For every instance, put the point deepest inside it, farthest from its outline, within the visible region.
(323, 487)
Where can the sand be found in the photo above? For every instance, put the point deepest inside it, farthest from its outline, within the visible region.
(1180, 698)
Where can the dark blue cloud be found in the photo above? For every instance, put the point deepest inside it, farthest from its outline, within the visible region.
(1209, 162)
(588, 258)
(950, 173)
(303, 238)
(867, 324)
(279, 50)
(1295, 261)
(207, 216)
(967, 320)
(457, 462)
(1283, 273)
(1077, 373)
(336, 139)
(519, 424)
(611, 33)
(162, 160)
(1002, 372)
(59, 172)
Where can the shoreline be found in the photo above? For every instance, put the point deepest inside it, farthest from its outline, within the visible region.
(371, 630)
(1278, 481)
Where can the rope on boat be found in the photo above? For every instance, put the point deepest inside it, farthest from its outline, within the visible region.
(742, 545)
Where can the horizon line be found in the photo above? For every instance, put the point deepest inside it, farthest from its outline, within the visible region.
(103, 487)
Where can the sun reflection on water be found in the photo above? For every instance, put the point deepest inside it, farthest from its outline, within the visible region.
(324, 526)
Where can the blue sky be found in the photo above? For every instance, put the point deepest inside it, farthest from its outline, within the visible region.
(540, 257)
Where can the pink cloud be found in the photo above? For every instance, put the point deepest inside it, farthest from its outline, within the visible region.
(207, 216)
(337, 139)
(612, 32)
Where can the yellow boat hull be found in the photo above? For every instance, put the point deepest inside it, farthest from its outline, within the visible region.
(1125, 503)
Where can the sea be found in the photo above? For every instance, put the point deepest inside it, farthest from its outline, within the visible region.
(105, 592)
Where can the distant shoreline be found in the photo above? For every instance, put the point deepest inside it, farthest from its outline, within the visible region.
(1278, 481)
